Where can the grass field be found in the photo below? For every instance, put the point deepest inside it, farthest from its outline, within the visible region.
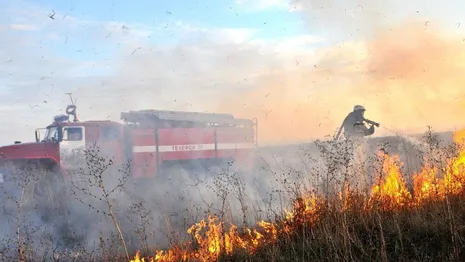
(310, 210)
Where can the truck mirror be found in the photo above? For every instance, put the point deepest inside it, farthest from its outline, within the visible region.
(37, 136)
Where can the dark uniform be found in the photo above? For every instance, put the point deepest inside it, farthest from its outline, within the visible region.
(354, 126)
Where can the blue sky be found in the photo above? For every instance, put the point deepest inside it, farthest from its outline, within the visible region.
(159, 18)
(94, 35)
(272, 21)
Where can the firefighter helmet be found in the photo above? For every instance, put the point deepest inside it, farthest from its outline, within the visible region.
(359, 107)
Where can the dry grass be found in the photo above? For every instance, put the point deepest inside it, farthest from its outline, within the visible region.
(432, 232)
(110, 218)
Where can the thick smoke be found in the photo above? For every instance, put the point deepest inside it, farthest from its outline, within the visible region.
(150, 213)
(406, 69)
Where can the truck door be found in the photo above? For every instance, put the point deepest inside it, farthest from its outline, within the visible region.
(72, 147)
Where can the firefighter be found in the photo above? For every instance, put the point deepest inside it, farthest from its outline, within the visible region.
(354, 126)
(355, 132)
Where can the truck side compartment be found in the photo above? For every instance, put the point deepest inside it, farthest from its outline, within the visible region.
(154, 149)
(186, 143)
(236, 143)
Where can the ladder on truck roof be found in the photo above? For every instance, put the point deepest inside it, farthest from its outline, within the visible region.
(144, 117)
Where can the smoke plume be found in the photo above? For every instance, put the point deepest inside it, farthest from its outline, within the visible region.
(407, 72)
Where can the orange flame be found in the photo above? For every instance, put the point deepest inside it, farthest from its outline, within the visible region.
(212, 239)
(392, 191)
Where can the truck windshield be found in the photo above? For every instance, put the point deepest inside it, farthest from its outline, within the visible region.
(51, 134)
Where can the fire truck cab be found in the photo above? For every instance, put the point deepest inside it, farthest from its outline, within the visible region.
(73, 138)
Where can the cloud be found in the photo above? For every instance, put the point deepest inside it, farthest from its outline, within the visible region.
(194, 34)
(259, 5)
(290, 46)
(20, 27)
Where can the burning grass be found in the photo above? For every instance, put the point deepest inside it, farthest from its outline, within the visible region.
(424, 223)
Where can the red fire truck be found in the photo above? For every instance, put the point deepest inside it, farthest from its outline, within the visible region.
(153, 141)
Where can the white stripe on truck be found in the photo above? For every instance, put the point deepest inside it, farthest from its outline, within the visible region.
(144, 149)
(190, 147)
